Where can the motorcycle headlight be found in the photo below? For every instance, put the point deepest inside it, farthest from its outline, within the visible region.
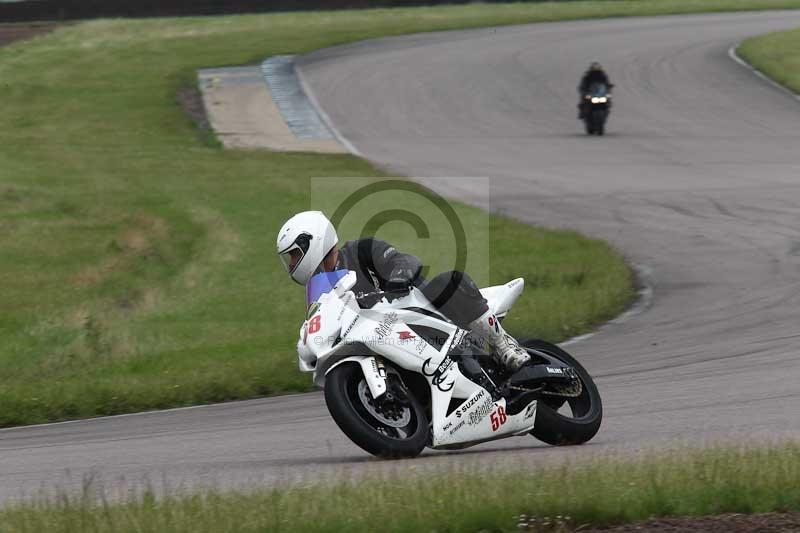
(599, 100)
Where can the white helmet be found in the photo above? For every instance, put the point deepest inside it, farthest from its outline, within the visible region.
(303, 242)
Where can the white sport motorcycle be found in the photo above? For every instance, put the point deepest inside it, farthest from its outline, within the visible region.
(398, 376)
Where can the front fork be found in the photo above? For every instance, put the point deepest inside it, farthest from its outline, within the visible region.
(374, 372)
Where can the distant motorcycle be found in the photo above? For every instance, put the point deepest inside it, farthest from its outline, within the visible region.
(596, 107)
(398, 376)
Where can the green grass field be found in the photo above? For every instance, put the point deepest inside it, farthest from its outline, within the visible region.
(777, 55)
(605, 491)
(137, 267)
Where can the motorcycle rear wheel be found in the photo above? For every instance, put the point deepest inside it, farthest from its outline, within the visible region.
(556, 428)
(364, 421)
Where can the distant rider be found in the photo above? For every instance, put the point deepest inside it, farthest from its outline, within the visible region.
(307, 246)
(593, 75)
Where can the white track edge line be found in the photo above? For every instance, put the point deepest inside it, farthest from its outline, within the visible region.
(737, 58)
(323, 115)
(151, 412)
(643, 302)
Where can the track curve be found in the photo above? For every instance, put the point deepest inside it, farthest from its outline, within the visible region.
(698, 180)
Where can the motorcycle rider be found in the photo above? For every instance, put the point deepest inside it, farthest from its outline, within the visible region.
(307, 245)
(593, 75)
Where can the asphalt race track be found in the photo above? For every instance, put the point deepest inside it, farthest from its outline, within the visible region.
(697, 182)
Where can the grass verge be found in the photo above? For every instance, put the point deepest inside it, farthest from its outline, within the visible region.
(602, 492)
(777, 55)
(137, 269)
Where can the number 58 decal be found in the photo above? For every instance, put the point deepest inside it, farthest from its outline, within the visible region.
(498, 418)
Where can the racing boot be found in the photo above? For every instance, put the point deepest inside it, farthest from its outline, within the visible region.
(505, 349)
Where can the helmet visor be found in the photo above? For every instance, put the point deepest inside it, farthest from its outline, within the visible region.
(294, 253)
(291, 258)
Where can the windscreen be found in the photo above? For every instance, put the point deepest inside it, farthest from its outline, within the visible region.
(598, 89)
(322, 283)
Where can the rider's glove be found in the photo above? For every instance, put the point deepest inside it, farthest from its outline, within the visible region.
(400, 279)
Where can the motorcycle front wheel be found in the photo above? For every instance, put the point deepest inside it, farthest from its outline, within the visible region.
(598, 121)
(567, 421)
(390, 429)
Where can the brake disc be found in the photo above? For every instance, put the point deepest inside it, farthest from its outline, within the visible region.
(399, 418)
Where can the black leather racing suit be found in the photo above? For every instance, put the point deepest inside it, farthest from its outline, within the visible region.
(379, 265)
(590, 77)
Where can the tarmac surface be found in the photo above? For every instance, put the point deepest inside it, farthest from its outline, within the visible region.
(697, 182)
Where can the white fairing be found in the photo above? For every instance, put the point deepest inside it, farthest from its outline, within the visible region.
(479, 419)
(341, 303)
(338, 331)
(501, 297)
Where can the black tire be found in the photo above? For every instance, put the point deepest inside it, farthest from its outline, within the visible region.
(362, 427)
(557, 429)
(589, 128)
(598, 121)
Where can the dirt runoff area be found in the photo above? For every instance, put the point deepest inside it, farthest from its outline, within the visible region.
(18, 31)
(728, 523)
